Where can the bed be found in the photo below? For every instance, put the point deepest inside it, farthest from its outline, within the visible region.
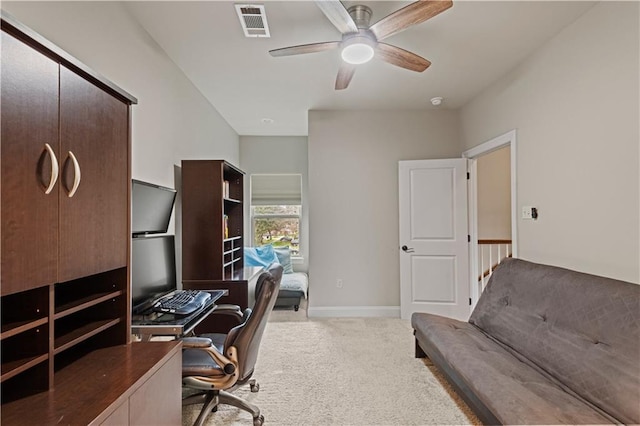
(294, 285)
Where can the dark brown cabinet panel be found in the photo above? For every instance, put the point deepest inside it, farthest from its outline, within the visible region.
(94, 141)
(65, 213)
(65, 302)
(29, 121)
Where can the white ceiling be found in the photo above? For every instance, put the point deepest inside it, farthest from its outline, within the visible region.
(470, 46)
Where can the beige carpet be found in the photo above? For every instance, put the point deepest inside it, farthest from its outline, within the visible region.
(343, 372)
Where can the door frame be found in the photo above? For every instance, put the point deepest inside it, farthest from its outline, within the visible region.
(506, 139)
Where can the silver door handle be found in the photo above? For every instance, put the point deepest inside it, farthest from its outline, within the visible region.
(76, 177)
(407, 249)
(54, 168)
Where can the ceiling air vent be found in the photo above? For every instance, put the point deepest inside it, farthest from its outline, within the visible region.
(253, 20)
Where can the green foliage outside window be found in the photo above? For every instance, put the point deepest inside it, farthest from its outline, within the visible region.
(278, 226)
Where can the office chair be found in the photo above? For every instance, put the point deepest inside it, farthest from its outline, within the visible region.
(214, 365)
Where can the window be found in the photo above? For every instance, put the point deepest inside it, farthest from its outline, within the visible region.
(277, 225)
(276, 211)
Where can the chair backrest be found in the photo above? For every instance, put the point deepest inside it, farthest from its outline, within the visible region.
(247, 336)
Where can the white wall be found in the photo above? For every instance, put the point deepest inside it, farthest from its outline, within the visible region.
(278, 155)
(353, 201)
(494, 194)
(574, 104)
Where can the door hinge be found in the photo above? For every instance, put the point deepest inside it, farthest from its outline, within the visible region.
(468, 238)
(468, 175)
(469, 301)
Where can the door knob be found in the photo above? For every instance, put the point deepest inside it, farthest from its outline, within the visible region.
(407, 249)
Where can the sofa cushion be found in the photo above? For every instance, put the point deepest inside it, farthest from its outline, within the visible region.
(581, 329)
(513, 391)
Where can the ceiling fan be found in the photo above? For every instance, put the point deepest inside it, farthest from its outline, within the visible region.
(360, 41)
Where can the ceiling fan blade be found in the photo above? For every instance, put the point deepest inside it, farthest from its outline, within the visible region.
(401, 58)
(304, 48)
(338, 15)
(345, 73)
(412, 14)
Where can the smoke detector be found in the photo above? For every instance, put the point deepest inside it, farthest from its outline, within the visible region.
(437, 101)
(253, 20)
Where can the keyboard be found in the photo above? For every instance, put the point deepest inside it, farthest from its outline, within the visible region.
(182, 302)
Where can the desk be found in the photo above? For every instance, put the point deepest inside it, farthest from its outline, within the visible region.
(137, 384)
(164, 324)
(241, 291)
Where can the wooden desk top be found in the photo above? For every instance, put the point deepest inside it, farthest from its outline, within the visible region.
(92, 387)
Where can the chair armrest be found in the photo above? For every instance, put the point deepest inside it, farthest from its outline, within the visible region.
(228, 309)
(196, 342)
(227, 375)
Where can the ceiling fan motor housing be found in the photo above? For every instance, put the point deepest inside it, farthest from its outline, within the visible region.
(361, 15)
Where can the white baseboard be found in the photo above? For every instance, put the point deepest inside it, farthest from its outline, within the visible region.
(353, 311)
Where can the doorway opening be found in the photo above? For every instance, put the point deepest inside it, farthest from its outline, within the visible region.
(492, 207)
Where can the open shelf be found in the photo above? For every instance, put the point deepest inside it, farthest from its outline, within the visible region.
(13, 368)
(24, 349)
(81, 334)
(14, 328)
(84, 303)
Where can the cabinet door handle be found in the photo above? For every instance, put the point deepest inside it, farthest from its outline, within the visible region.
(54, 169)
(76, 176)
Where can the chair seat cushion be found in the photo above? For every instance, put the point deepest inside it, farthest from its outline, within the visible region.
(197, 362)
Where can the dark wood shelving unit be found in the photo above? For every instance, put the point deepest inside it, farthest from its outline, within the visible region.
(213, 235)
(67, 355)
(233, 257)
(212, 219)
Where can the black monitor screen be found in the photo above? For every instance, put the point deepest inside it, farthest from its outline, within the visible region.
(153, 268)
(151, 207)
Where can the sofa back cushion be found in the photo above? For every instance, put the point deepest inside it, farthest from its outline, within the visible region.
(582, 329)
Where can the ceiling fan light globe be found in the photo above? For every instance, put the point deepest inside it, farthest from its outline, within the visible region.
(357, 53)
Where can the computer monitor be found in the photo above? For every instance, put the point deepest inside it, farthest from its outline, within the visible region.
(151, 207)
(153, 269)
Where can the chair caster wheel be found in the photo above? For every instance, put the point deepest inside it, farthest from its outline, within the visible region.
(255, 386)
(258, 421)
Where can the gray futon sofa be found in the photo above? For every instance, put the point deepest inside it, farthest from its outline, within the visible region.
(544, 345)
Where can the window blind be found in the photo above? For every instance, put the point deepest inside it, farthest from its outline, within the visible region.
(276, 189)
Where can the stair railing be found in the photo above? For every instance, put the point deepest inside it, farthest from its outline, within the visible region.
(489, 250)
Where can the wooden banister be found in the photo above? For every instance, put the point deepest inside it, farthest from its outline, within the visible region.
(492, 242)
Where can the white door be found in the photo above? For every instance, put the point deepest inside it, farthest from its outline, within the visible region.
(434, 254)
